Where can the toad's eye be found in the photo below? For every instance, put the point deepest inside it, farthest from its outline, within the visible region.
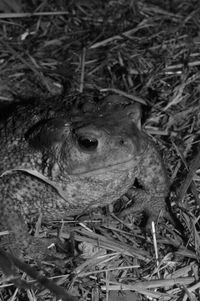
(87, 144)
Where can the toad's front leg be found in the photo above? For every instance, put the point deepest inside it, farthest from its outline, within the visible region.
(154, 186)
(141, 202)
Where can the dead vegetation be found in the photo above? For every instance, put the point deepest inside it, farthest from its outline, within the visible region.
(149, 51)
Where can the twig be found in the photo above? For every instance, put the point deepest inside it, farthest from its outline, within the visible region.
(28, 15)
(82, 69)
(8, 263)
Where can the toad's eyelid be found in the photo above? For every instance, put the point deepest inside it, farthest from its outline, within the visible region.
(89, 134)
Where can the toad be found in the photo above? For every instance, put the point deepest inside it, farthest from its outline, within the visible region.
(58, 163)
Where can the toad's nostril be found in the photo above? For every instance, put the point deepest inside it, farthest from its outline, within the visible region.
(121, 142)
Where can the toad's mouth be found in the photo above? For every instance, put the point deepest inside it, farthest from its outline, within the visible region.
(113, 168)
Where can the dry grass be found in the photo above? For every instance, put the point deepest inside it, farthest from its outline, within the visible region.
(148, 50)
